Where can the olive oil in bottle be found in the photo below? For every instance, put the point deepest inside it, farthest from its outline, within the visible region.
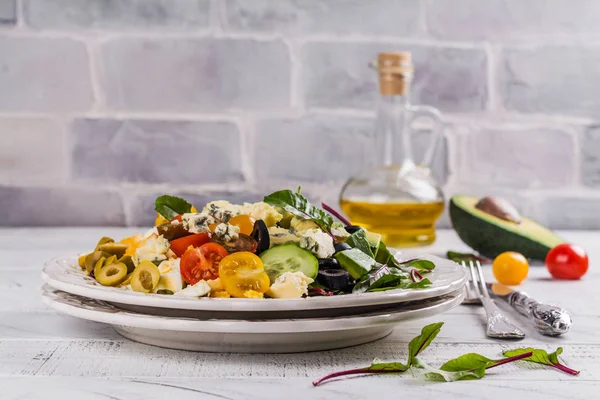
(399, 224)
(396, 197)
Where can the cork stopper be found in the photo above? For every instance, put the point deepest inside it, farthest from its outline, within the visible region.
(395, 72)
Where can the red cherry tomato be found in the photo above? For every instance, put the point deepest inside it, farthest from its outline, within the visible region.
(202, 262)
(567, 261)
(179, 246)
(178, 218)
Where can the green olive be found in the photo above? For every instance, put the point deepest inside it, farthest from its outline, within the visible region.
(127, 280)
(91, 260)
(128, 261)
(145, 277)
(116, 249)
(81, 260)
(102, 241)
(112, 274)
(98, 267)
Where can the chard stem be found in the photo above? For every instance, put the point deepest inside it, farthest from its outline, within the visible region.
(356, 371)
(566, 369)
(511, 359)
(335, 214)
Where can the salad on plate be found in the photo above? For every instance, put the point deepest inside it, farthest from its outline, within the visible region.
(281, 247)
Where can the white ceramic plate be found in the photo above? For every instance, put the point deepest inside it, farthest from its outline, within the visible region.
(248, 336)
(63, 273)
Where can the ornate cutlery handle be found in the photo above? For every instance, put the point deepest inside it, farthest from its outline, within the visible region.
(548, 320)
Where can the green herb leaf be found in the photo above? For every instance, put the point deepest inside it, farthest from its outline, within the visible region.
(359, 241)
(298, 205)
(543, 357)
(171, 206)
(419, 265)
(465, 257)
(441, 375)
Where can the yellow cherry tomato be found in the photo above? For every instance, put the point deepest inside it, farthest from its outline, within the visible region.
(510, 268)
(244, 222)
(243, 271)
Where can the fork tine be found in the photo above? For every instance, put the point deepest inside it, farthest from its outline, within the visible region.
(482, 280)
(474, 279)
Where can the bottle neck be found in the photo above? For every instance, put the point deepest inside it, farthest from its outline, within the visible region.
(393, 130)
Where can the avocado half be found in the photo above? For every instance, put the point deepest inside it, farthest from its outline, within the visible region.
(490, 235)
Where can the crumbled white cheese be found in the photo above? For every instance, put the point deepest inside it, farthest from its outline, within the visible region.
(263, 211)
(318, 242)
(197, 223)
(222, 210)
(289, 285)
(279, 236)
(300, 225)
(198, 290)
(154, 250)
(338, 230)
(151, 232)
(226, 233)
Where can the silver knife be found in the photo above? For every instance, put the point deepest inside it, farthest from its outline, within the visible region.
(548, 320)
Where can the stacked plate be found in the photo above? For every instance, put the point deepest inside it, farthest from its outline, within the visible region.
(249, 325)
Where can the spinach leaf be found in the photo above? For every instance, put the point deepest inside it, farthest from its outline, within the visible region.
(298, 205)
(419, 265)
(171, 206)
(543, 357)
(359, 241)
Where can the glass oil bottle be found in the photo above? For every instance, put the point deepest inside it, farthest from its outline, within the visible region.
(396, 197)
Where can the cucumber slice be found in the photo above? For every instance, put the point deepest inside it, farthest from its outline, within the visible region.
(289, 258)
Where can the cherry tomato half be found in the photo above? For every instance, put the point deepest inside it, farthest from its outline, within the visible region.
(202, 263)
(244, 222)
(178, 218)
(567, 261)
(179, 246)
(510, 268)
(242, 272)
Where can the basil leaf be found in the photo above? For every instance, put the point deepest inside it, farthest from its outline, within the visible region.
(359, 241)
(298, 205)
(171, 206)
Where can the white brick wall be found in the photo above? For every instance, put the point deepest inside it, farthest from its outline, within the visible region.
(104, 105)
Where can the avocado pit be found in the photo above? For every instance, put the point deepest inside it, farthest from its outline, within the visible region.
(499, 208)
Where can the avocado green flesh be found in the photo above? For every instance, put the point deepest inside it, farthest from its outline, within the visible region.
(490, 235)
(355, 262)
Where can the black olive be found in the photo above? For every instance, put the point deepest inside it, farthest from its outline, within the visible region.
(260, 233)
(328, 263)
(336, 279)
(352, 228)
(341, 246)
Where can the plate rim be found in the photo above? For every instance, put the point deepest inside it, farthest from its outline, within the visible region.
(256, 305)
(283, 326)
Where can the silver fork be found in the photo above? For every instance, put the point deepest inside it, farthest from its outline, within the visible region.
(498, 325)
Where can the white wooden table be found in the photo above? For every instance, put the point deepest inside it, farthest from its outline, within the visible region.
(46, 355)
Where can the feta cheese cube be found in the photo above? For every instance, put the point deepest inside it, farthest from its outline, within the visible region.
(317, 242)
(197, 223)
(226, 233)
(154, 250)
(289, 285)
